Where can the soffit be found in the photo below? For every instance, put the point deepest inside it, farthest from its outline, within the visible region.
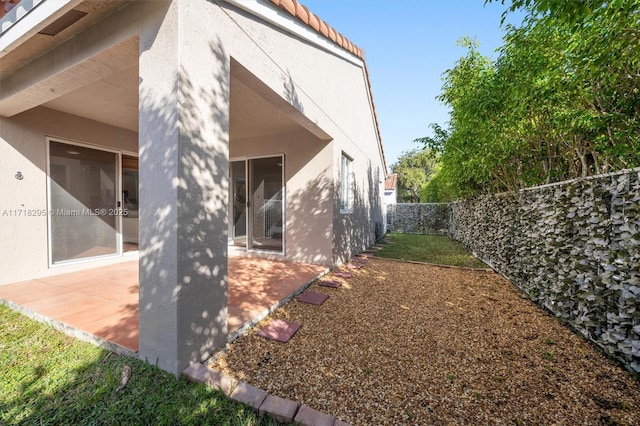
(38, 44)
(112, 100)
(251, 115)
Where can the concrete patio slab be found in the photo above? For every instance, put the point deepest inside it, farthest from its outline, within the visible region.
(102, 303)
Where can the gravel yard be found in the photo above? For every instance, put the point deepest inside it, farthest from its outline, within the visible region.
(410, 344)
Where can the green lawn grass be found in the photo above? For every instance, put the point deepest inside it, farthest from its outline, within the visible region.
(436, 249)
(48, 378)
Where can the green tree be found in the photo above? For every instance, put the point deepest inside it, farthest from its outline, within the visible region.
(414, 169)
(561, 101)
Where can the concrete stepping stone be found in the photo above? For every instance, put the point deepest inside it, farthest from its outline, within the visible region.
(364, 255)
(313, 298)
(352, 266)
(360, 260)
(343, 274)
(279, 330)
(329, 283)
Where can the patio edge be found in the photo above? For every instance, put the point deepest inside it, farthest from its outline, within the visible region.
(70, 330)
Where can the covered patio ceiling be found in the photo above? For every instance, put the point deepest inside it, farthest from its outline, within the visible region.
(104, 88)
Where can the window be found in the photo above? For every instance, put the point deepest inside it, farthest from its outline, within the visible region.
(346, 184)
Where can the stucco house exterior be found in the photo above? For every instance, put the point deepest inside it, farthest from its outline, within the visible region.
(174, 131)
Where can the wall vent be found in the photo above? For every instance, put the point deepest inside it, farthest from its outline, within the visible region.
(63, 22)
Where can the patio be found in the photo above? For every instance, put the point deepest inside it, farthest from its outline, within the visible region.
(101, 304)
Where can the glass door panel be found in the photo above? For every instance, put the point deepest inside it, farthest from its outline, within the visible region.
(83, 200)
(129, 203)
(239, 203)
(266, 203)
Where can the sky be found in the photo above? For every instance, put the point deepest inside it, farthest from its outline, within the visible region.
(408, 45)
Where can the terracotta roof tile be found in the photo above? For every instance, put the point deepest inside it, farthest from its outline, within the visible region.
(300, 12)
(324, 29)
(391, 182)
(314, 22)
(289, 6)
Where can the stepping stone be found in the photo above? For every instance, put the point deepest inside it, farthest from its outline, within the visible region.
(279, 330)
(313, 298)
(343, 274)
(329, 283)
(364, 255)
(360, 260)
(352, 266)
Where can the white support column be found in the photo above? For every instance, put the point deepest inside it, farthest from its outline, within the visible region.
(184, 145)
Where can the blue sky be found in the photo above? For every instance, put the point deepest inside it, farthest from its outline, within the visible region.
(408, 44)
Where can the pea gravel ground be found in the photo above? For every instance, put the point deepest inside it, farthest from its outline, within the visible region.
(409, 344)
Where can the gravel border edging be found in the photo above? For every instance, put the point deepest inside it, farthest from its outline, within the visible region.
(280, 409)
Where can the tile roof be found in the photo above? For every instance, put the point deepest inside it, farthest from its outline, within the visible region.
(297, 10)
(302, 13)
(391, 182)
(6, 6)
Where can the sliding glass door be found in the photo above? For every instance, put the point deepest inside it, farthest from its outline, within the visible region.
(257, 213)
(266, 205)
(83, 202)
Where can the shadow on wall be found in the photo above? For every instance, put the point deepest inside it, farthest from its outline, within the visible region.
(193, 232)
(291, 94)
(356, 230)
(309, 215)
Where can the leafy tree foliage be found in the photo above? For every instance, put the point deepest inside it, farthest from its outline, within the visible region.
(561, 101)
(414, 169)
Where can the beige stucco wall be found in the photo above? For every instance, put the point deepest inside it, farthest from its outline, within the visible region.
(329, 90)
(23, 140)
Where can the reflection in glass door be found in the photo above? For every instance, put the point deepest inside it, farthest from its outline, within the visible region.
(83, 185)
(238, 203)
(266, 203)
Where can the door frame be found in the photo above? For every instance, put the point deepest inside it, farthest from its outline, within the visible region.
(249, 218)
(119, 239)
